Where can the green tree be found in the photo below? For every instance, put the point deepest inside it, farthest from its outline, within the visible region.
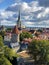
(25, 35)
(9, 53)
(2, 33)
(39, 50)
(1, 41)
(4, 61)
(40, 30)
(6, 54)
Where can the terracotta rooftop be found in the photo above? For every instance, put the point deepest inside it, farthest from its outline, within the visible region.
(24, 31)
(27, 40)
(16, 30)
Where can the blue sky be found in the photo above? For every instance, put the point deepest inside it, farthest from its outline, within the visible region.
(5, 3)
(33, 12)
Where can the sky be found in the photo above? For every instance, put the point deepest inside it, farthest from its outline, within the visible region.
(33, 12)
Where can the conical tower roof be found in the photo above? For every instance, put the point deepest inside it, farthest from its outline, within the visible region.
(15, 30)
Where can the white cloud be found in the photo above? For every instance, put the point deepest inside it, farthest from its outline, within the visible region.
(47, 10)
(32, 13)
(14, 5)
(44, 13)
(25, 6)
(7, 23)
(6, 14)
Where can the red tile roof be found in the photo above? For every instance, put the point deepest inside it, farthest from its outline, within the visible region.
(16, 30)
(27, 40)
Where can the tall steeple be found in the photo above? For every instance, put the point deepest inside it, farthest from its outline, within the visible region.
(19, 21)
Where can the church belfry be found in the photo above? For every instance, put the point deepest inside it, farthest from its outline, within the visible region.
(19, 21)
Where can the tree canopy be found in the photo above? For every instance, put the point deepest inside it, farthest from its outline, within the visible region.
(6, 54)
(39, 50)
(2, 33)
(1, 41)
(25, 35)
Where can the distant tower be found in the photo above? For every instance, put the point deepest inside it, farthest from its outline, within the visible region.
(19, 22)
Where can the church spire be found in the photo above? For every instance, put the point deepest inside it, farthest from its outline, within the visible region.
(19, 21)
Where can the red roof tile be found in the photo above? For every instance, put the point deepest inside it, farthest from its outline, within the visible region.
(15, 30)
(27, 40)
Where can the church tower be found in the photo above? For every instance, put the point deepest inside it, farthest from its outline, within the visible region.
(16, 31)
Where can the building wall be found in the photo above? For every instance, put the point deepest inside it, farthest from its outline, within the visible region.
(18, 38)
(14, 38)
(7, 38)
